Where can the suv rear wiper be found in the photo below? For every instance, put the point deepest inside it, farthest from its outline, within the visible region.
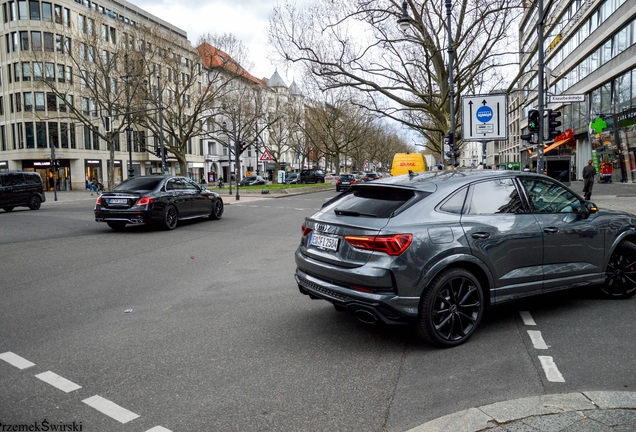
(352, 213)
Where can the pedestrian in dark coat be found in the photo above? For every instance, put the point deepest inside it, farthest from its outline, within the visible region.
(588, 179)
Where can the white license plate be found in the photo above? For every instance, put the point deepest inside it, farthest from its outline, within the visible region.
(345, 183)
(324, 242)
(118, 201)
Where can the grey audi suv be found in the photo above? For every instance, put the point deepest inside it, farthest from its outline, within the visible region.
(434, 249)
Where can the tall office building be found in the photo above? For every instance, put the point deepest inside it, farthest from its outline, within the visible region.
(590, 50)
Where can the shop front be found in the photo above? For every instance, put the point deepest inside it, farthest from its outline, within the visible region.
(93, 170)
(59, 179)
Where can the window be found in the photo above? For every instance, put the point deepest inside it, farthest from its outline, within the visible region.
(24, 40)
(87, 138)
(67, 17)
(14, 41)
(16, 72)
(54, 138)
(64, 135)
(81, 22)
(37, 71)
(61, 104)
(36, 41)
(104, 32)
(495, 196)
(58, 14)
(40, 134)
(49, 71)
(60, 73)
(59, 43)
(51, 102)
(23, 13)
(71, 136)
(39, 101)
(18, 102)
(47, 12)
(548, 197)
(113, 35)
(30, 135)
(82, 51)
(34, 10)
(48, 42)
(69, 74)
(85, 106)
(28, 101)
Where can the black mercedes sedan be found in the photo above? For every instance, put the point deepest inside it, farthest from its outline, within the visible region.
(157, 200)
(434, 249)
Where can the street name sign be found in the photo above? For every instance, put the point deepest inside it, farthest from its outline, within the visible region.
(567, 98)
(485, 117)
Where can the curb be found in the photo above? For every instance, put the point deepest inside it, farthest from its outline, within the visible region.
(503, 413)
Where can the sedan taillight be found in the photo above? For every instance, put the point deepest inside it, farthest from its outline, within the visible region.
(393, 245)
(305, 230)
(144, 201)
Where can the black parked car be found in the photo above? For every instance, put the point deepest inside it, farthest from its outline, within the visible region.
(311, 176)
(370, 176)
(252, 181)
(436, 248)
(159, 200)
(21, 189)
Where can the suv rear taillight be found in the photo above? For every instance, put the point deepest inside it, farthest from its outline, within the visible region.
(393, 245)
(305, 230)
(98, 202)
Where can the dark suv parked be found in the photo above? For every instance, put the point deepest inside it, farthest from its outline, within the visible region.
(311, 176)
(21, 189)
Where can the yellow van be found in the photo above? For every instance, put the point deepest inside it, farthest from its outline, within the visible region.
(403, 162)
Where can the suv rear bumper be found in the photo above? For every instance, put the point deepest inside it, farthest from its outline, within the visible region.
(367, 307)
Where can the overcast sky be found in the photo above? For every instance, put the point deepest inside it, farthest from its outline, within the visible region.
(246, 19)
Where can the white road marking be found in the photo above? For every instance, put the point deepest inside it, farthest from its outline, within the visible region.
(58, 382)
(111, 409)
(551, 371)
(158, 429)
(537, 339)
(527, 318)
(16, 360)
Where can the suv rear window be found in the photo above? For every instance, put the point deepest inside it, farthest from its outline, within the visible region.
(371, 202)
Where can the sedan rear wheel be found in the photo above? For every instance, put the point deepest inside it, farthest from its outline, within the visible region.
(170, 218)
(217, 211)
(620, 275)
(451, 308)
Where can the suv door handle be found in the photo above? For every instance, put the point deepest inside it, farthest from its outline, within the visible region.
(550, 230)
(480, 235)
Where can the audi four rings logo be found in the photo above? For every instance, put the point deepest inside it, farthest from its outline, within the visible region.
(322, 227)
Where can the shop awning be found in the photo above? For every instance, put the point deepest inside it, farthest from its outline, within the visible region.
(553, 146)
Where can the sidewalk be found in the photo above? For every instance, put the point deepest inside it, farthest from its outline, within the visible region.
(586, 411)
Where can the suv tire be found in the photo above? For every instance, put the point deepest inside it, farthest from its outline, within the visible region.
(35, 202)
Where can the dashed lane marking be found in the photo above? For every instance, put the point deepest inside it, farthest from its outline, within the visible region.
(527, 318)
(16, 360)
(158, 429)
(111, 409)
(537, 339)
(58, 382)
(551, 371)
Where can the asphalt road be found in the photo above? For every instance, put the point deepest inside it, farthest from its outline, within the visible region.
(220, 339)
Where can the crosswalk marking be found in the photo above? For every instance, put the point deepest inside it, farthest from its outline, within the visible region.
(16, 360)
(58, 382)
(111, 409)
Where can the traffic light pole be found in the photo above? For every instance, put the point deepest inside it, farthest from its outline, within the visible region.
(540, 90)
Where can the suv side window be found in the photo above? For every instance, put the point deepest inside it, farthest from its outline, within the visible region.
(12, 179)
(495, 196)
(548, 197)
(32, 179)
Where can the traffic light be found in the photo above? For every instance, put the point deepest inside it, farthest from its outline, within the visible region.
(529, 138)
(241, 147)
(553, 124)
(534, 119)
(158, 151)
(165, 155)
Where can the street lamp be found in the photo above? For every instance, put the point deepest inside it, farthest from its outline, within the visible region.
(229, 157)
(404, 23)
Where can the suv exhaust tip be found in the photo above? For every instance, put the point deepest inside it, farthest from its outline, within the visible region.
(365, 316)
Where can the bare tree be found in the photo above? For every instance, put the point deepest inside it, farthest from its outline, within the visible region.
(356, 44)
